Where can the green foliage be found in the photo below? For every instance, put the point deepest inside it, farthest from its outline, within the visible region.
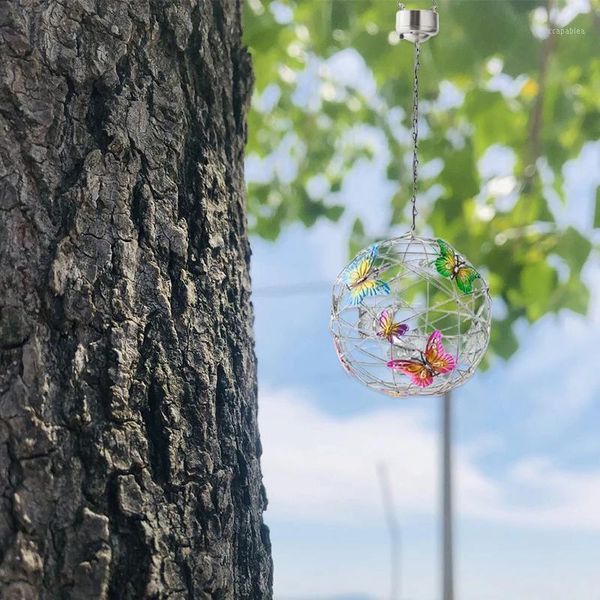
(597, 210)
(547, 108)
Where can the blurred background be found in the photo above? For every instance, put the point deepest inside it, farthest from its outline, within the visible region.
(510, 173)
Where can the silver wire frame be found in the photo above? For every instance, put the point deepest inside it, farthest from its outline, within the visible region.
(422, 299)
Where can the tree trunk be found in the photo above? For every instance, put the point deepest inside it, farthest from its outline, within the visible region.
(129, 449)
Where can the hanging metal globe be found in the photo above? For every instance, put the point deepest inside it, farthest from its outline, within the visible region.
(410, 316)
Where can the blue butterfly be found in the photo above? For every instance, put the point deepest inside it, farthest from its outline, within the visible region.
(361, 277)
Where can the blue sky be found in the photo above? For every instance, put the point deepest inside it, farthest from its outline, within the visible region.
(527, 452)
(527, 445)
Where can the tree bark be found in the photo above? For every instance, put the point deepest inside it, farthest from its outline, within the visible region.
(129, 449)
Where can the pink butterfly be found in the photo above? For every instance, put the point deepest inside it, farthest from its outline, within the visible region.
(433, 361)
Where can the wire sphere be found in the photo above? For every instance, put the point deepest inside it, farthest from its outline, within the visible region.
(410, 316)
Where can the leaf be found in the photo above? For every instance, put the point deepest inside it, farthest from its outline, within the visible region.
(260, 31)
(574, 295)
(503, 340)
(495, 120)
(358, 239)
(459, 175)
(597, 210)
(267, 228)
(537, 284)
(333, 213)
(574, 248)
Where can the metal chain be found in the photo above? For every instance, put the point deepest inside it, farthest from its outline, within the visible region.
(415, 126)
(415, 137)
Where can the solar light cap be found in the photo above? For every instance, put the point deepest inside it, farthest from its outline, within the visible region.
(416, 25)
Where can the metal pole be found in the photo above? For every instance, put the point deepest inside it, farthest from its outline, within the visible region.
(394, 531)
(447, 552)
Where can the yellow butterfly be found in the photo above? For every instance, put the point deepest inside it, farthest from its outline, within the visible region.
(361, 276)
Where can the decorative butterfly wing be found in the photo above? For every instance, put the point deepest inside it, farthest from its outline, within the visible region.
(368, 287)
(386, 322)
(361, 266)
(465, 277)
(436, 356)
(388, 328)
(446, 261)
(419, 373)
(449, 264)
(358, 276)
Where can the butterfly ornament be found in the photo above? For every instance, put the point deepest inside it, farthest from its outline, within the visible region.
(436, 290)
(451, 264)
(388, 328)
(430, 363)
(396, 305)
(362, 277)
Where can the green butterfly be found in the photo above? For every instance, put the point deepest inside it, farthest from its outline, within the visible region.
(453, 265)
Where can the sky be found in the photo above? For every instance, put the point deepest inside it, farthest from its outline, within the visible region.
(527, 449)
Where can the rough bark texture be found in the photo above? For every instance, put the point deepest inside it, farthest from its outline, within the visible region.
(129, 450)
